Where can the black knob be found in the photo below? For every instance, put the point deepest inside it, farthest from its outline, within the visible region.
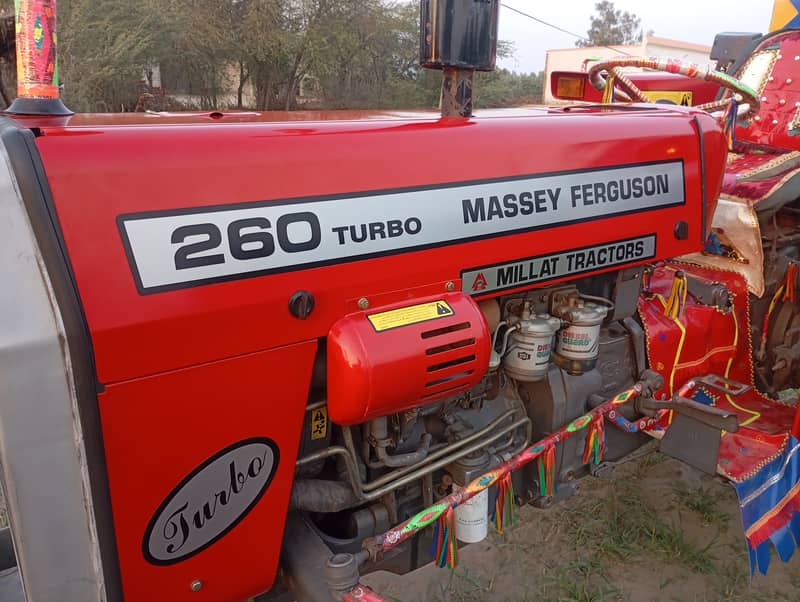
(681, 230)
(301, 304)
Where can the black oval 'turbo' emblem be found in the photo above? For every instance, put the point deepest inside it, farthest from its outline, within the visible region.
(210, 501)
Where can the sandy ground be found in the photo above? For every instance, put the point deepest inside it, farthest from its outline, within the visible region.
(655, 530)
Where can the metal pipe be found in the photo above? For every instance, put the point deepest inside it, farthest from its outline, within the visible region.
(335, 450)
(414, 474)
(420, 472)
(397, 535)
(442, 452)
(457, 92)
(415, 457)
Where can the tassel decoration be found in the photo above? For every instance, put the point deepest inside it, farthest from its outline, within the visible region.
(595, 441)
(547, 471)
(729, 123)
(608, 91)
(504, 505)
(445, 547)
(677, 296)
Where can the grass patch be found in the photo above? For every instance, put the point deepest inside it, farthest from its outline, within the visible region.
(464, 585)
(649, 461)
(580, 581)
(703, 503)
(623, 525)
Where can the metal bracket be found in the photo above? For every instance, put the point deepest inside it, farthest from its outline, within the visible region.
(694, 442)
(724, 385)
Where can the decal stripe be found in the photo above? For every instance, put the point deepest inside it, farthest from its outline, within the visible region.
(189, 247)
(570, 262)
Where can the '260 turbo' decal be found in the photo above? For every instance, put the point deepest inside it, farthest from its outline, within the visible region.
(190, 247)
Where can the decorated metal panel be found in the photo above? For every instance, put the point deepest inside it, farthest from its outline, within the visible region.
(200, 465)
(189, 241)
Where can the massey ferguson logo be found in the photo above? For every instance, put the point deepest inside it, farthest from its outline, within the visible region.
(480, 283)
(210, 501)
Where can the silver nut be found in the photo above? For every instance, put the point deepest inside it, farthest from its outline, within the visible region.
(196, 585)
(363, 303)
(450, 286)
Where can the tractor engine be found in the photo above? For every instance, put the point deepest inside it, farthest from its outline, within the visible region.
(425, 398)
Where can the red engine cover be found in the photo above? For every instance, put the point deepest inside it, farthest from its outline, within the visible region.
(395, 358)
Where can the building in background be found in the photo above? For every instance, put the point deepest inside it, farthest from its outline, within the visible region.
(577, 59)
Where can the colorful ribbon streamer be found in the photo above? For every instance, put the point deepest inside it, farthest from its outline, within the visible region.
(445, 546)
(595, 441)
(504, 505)
(547, 472)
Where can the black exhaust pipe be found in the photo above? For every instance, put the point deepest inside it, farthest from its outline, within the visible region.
(459, 37)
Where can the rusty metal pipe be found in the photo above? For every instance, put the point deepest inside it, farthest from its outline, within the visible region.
(457, 92)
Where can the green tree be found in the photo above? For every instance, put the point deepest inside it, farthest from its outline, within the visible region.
(610, 26)
(316, 53)
(104, 48)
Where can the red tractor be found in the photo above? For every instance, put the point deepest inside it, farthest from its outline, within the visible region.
(328, 339)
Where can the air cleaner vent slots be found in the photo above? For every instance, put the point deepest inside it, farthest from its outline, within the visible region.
(439, 393)
(449, 346)
(451, 363)
(440, 331)
(446, 379)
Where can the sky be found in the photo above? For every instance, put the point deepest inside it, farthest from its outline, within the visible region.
(687, 20)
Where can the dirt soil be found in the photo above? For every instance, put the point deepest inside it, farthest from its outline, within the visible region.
(654, 530)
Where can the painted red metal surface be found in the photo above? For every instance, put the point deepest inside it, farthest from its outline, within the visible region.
(96, 174)
(187, 372)
(159, 430)
(702, 91)
(380, 363)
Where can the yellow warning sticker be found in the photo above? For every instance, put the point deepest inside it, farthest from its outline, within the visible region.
(413, 314)
(676, 97)
(319, 423)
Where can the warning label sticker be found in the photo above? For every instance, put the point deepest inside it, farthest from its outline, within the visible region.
(413, 314)
(319, 423)
(677, 97)
(533, 270)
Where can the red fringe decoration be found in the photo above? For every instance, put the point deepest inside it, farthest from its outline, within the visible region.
(547, 471)
(504, 505)
(444, 540)
(595, 441)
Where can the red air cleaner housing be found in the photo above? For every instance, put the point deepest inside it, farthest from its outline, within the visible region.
(395, 358)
